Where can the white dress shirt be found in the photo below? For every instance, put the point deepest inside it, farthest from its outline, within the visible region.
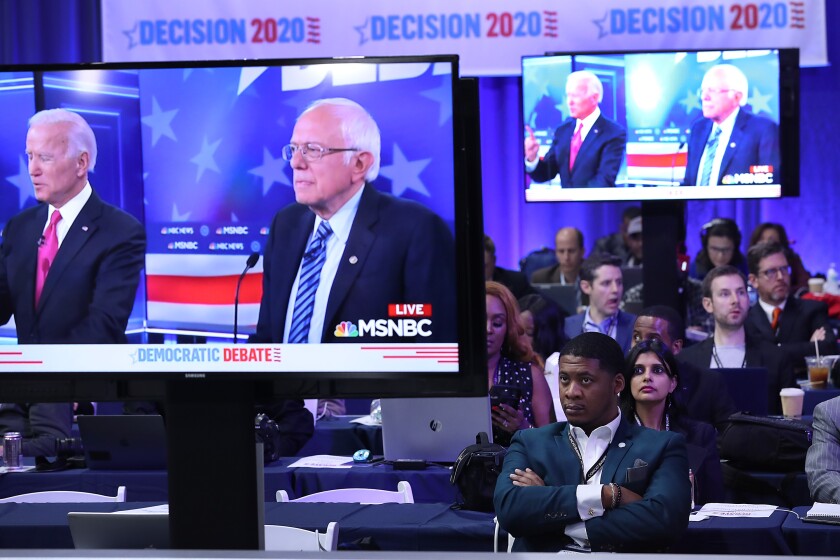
(341, 223)
(723, 141)
(69, 212)
(589, 494)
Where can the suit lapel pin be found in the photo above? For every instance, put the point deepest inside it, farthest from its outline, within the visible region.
(84, 228)
(622, 444)
(354, 259)
(732, 145)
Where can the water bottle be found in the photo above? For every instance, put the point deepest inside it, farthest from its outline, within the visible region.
(831, 278)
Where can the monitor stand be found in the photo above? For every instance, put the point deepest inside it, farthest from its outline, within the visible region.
(214, 497)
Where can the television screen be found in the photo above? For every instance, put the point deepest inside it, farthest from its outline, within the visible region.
(661, 125)
(208, 157)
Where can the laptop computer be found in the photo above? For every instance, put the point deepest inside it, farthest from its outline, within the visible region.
(748, 388)
(123, 441)
(563, 295)
(433, 429)
(119, 530)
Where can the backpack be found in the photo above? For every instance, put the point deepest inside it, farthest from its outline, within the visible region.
(764, 443)
(475, 473)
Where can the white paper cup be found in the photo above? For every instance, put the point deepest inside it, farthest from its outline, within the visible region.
(792, 402)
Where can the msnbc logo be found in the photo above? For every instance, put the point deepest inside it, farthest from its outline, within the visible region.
(346, 329)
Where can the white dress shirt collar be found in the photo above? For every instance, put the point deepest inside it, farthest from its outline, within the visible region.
(69, 212)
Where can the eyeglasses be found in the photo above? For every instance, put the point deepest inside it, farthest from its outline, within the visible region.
(711, 91)
(773, 273)
(721, 250)
(311, 152)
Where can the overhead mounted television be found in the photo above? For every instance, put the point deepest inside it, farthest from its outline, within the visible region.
(659, 111)
(193, 150)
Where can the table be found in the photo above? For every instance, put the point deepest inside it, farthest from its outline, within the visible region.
(810, 539)
(720, 535)
(815, 396)
(429, 486)
(386, 526)
(341, 436)
(429, 527)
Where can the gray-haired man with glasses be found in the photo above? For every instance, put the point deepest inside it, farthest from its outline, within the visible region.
(729, 140)
(791, 323)
(346, 252)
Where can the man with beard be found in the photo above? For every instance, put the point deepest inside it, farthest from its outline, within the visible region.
(725, 297)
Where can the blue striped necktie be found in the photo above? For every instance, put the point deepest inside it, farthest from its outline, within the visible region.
(711, 150)
(310, 276)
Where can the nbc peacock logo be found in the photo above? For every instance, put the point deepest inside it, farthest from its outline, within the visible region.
(346, 329)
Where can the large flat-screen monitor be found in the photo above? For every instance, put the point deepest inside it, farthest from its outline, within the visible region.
(656, 137)
(195, 152)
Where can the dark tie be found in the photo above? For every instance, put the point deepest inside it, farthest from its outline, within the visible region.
(574, 147)
(310, 276)
(711, 149)
(47, 248)
(775, 322)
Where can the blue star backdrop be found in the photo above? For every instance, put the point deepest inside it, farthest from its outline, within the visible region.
(200, 147)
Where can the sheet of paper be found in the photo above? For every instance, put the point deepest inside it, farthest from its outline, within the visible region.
(323, 462)
(366, 420)
(737, 510)
(4, 470)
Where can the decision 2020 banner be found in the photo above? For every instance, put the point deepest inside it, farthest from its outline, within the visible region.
(490, 36)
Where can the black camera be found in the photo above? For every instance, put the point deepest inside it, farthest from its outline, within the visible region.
(69, 447)
(268, 433)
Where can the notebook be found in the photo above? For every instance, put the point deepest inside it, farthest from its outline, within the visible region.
(119, 530)
(434, 429)
(562, 294)
(748, 388)
(823, 513)
(123, 441)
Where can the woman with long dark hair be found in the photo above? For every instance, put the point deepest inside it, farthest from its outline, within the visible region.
(648, 400)
(512, 362)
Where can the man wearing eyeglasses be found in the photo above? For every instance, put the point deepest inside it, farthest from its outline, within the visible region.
(345, 251)
(729, 140)
(791, 323)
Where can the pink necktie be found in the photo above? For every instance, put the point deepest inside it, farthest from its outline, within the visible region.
(47, 248)
(575, 146)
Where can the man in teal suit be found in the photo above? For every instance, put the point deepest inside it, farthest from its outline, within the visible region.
(598, 482)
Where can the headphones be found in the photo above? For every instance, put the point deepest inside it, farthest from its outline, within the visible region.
(732, 230)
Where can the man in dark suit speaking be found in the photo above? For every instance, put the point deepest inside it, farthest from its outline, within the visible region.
(69, 268)
(335, 261)
(587, 149)
(729, 141)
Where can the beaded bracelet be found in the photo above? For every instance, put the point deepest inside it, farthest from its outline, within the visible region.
(614, 503)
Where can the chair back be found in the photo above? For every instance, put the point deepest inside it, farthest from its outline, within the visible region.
(63, 496)
(537, 259)
(403, 495)
(281, 537)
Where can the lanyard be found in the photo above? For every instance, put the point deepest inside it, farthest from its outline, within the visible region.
(720, 365)
(598, 464)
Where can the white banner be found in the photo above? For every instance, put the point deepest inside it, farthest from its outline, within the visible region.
(490, 36)
(228, 358)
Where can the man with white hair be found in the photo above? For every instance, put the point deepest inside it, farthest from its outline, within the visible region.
(69, 267)
(729, 140)
(588, 148)
(345, 252)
